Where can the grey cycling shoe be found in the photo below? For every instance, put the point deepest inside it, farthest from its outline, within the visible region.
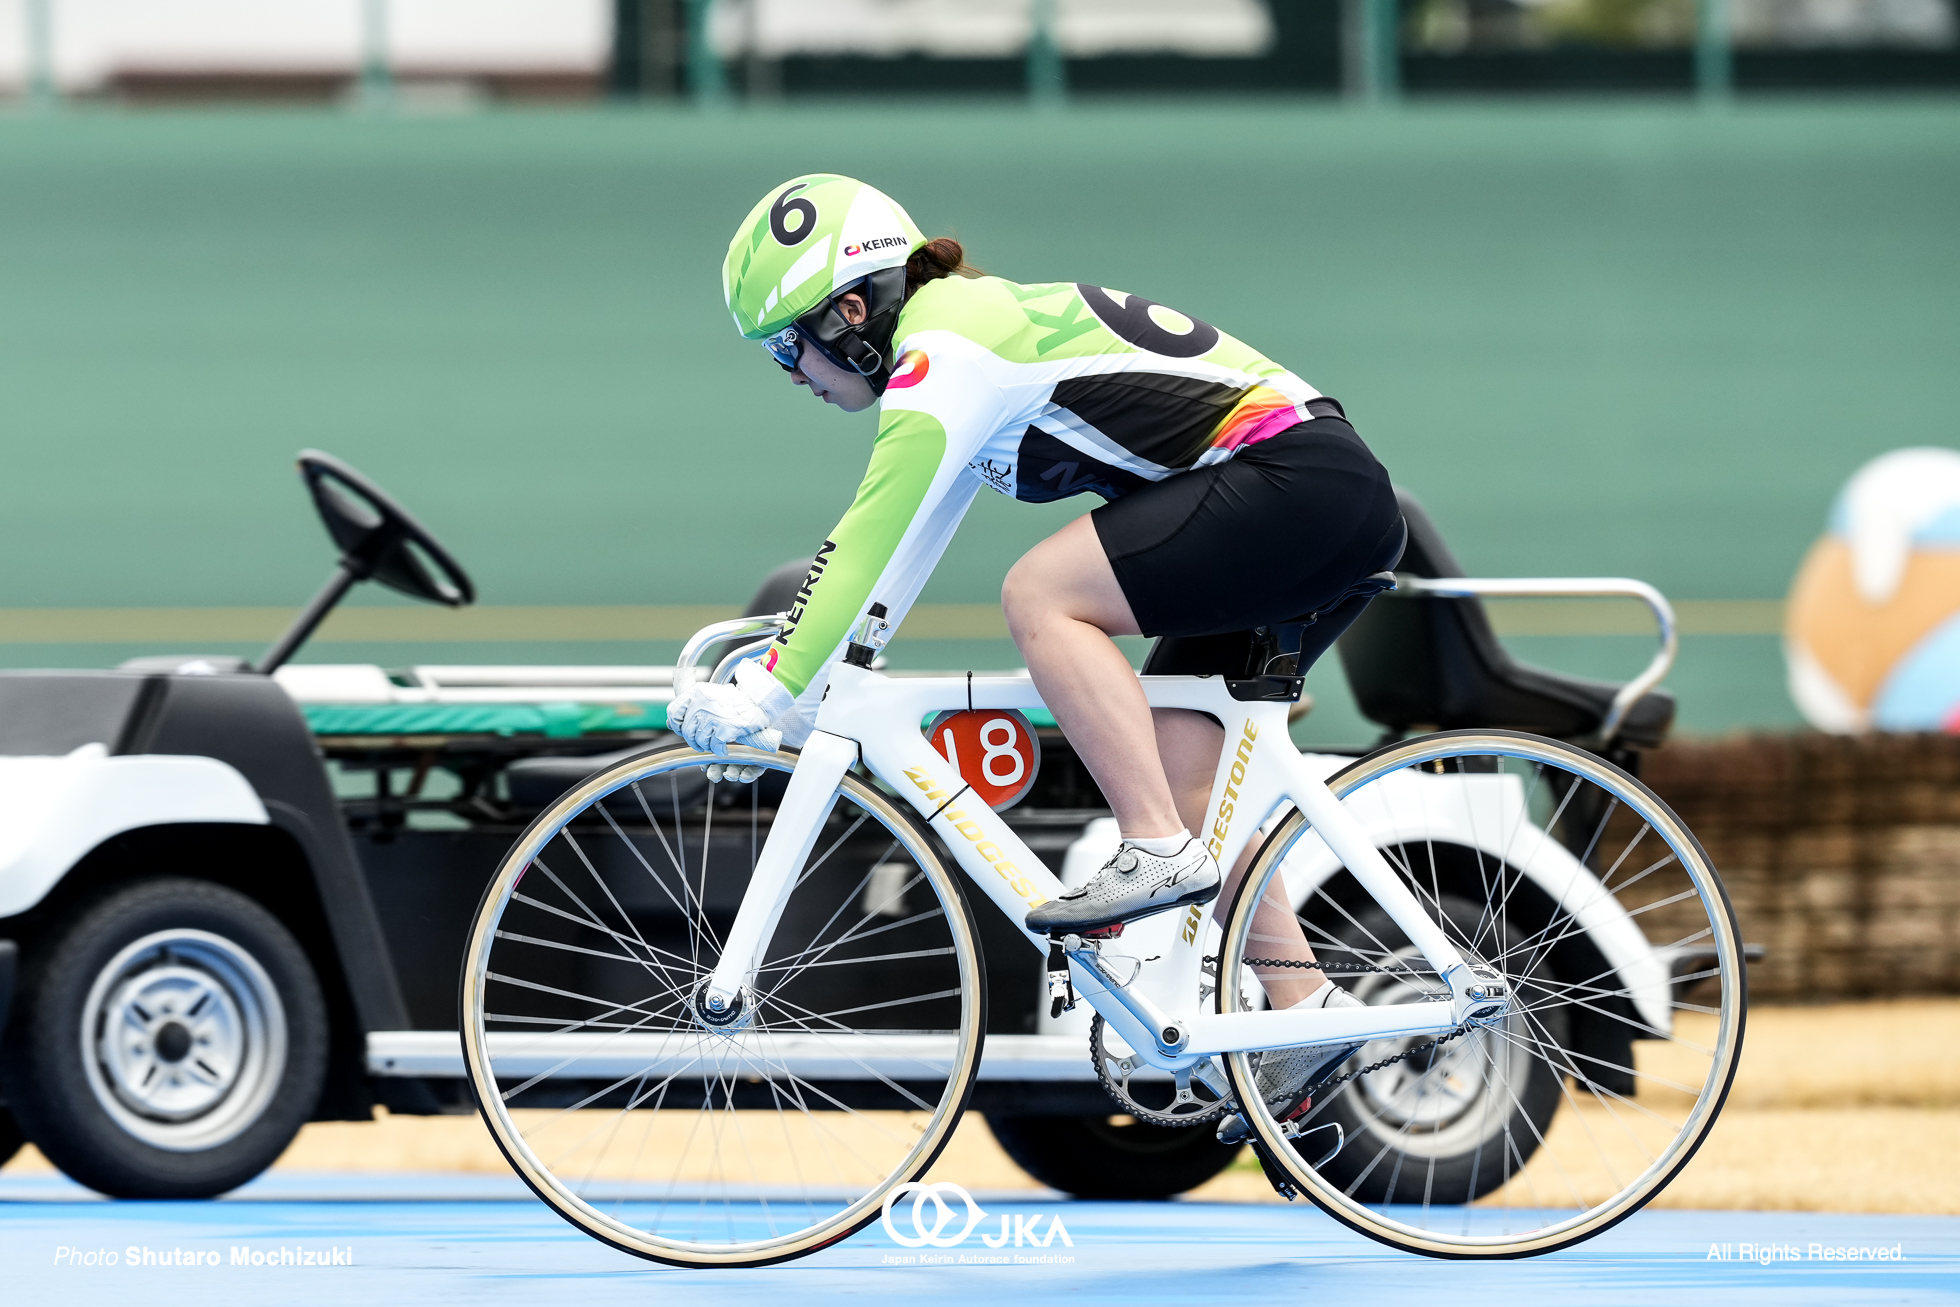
(1282, 1073)
(1132, 885)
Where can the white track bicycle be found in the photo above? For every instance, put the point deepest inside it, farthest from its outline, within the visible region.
(719, 1024)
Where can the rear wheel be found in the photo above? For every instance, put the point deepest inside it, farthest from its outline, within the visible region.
(1443, 1119)
(1111, 1156)
(1569, 1112)
(721, 1142)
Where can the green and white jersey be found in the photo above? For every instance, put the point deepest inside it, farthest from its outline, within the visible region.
(1039, 392)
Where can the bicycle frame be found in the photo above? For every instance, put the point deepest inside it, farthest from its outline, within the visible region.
(1156, 1010)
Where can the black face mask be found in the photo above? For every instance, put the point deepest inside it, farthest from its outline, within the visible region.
(864, 347)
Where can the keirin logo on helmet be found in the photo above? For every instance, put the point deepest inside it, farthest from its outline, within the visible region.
(932, 1229)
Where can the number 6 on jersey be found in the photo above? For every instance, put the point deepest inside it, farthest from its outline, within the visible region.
(995, 751)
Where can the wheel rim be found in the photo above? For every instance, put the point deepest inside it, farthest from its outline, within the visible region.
(660, 1133)
(1553, 1131)
(184, 1039)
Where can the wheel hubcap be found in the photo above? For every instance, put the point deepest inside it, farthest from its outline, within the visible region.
(173, 1041)
(1435, 1100)
(1431, 1091)
(184, 1039)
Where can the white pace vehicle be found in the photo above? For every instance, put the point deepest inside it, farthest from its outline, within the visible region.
(238, 897)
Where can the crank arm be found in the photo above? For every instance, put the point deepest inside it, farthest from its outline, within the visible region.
(1212, 1076)
(1140, 1022)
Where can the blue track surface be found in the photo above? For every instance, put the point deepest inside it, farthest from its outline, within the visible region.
(434, 1239)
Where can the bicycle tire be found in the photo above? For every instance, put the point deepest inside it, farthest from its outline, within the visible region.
(1388, 1190)
(754, 1204)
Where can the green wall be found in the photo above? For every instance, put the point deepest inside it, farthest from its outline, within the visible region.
(1629, 339)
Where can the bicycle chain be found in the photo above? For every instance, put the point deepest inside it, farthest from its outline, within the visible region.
(1334, 1082)
(1355, 969)
(1210, 963)
(1340, 969)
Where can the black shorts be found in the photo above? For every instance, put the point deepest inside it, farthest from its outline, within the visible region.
(1280, 529)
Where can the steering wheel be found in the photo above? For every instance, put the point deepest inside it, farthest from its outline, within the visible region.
(377, 538)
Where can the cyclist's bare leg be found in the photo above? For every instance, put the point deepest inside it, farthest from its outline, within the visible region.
(1063, 603)
(1189, 743)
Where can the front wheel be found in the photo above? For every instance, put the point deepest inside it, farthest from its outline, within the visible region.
(698, 1138)
(1570, 1111)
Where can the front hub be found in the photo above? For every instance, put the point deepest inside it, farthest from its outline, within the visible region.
(718, 1013)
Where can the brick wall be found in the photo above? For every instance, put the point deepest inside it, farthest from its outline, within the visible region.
(1842, 855)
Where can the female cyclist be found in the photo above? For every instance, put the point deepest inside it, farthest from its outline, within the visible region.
(1236, 496)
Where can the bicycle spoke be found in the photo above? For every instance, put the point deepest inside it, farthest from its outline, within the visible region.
(663, 1132)
(1554, 1118)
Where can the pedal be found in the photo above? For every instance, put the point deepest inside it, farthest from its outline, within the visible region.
(1294, 1132)
(1105, 932)
(1281, 1182)
(1061, 986)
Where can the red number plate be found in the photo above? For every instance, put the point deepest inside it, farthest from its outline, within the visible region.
(995, 750)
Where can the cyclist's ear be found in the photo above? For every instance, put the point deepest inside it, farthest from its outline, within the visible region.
(851, 306)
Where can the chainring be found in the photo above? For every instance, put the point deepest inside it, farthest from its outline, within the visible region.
(1191, 1105)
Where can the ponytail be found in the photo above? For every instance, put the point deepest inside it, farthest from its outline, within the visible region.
(939, 257)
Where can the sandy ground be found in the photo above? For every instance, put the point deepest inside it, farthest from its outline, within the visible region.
(1847, 1108)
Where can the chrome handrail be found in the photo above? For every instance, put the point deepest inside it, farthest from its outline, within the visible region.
(1596, 587)
(686, 673)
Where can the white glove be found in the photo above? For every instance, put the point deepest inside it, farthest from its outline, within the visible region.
(740, 773)
(712, 717)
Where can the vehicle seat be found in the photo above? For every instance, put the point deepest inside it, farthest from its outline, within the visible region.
(778, 589)
(534, 784)
(1424, 662)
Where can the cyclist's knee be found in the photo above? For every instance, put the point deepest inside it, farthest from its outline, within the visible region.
(1039, 589)
(1065, 578)
(1024, 597)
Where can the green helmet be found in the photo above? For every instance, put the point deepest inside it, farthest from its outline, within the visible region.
(806, 242)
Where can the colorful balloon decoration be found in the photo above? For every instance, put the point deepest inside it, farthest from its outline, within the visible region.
(1872, 630)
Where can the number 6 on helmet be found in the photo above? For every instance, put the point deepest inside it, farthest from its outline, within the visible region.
(995, 750)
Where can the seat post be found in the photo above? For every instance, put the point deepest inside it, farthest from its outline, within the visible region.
(1282, 652)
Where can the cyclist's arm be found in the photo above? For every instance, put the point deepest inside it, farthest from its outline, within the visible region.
(907, 507)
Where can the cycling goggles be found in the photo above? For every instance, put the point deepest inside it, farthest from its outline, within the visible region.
(783, 346)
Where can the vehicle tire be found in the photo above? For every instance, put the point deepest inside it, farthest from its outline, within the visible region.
(773, 1131)
(169, 1041)
(11, 1138)
(1615, 871)
(1111, 1157)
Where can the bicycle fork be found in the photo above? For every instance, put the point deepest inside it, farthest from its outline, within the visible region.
(806, 805)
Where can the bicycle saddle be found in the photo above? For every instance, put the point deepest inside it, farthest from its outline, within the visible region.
(1267, 662)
